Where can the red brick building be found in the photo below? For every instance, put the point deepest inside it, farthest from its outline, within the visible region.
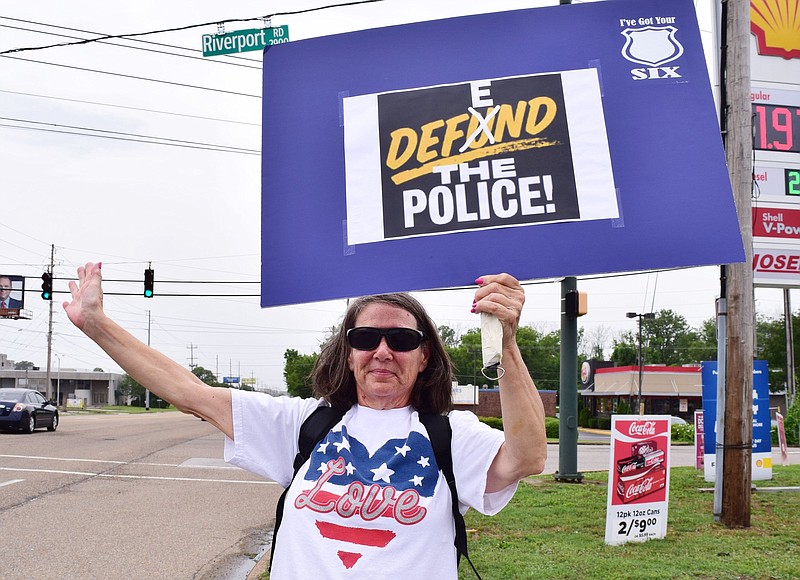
(489, 403)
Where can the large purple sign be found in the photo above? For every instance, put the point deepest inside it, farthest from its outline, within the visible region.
(569, 140)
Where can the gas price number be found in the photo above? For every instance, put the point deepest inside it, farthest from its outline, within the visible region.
(776, 128)
(792, 181)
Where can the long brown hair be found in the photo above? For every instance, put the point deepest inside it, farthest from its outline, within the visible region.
(333, 380)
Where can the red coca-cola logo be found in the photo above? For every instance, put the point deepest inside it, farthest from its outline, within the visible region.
(638, 489)
(646, 428)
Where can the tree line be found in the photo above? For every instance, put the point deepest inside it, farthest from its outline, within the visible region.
(127, 387)
(667, 339)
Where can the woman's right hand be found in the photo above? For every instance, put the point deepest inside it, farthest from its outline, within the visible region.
(87, 296)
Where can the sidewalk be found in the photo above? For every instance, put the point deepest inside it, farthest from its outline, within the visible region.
(261, 566)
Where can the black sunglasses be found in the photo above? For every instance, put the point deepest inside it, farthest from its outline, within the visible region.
(399, 339)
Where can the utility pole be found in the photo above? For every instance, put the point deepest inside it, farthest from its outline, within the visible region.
(649, 315)
(191, 348)
(737, 438)
(49, 389)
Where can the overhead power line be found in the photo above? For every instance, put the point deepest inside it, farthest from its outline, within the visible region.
(142, 109)
(148, 137)
(149, 140)
(138, 78)
(227, 61)
(189, 26)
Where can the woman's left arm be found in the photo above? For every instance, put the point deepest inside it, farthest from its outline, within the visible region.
(525, 448)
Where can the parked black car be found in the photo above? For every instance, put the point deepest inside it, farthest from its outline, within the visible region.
(26, 410)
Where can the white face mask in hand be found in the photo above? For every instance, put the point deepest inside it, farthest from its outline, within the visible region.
(492, 347)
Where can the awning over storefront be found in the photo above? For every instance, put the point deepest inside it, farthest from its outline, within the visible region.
(657, 381)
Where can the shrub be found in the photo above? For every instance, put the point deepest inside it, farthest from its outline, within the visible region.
(603, 423)
(683, 433)
(550, 425)
(623, 408)
(493, 422)
(584, 416)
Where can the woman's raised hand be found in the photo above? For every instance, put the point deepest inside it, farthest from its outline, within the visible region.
(87, 296)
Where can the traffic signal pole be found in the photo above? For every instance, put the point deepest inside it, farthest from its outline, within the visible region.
(49, 389)
(568, 376)
(568, 388)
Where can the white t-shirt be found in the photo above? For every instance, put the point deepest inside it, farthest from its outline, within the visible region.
(370, 502)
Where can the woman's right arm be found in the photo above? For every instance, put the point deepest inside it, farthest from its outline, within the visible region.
(161, 375)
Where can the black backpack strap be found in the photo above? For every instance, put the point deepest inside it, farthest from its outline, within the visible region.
(312, 431)
(441, 434)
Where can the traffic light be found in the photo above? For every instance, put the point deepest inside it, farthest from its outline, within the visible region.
(47, 286)
(149, 280)
(575, 304)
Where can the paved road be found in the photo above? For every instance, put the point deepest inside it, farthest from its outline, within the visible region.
(127, 496)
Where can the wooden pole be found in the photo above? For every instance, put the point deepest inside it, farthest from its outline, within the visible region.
(738, 435)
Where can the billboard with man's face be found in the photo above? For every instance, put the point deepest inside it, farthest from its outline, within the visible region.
(12, 294)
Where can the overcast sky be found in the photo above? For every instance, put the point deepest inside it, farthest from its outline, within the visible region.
(191, 205)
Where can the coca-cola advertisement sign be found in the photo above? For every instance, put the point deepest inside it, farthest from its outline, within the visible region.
(638, 478)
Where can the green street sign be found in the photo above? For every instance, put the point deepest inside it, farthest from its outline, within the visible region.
(244, 40)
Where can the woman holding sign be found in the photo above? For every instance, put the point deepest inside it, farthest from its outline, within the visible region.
(369, 500)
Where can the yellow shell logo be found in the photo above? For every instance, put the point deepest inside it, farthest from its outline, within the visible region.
(776, 24)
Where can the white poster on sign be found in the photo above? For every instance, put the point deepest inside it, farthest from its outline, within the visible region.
(535, 151)
(465, 394)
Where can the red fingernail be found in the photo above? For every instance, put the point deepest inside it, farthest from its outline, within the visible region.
(479, 281)
(473, 309)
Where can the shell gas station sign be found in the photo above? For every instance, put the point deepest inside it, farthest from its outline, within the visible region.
(774, 25)
(775, 60)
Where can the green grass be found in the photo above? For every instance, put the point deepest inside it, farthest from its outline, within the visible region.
(554, 530)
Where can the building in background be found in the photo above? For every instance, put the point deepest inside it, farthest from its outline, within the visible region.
(86, 388)
(665, 390)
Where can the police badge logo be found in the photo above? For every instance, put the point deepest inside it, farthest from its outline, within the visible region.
(651, 45)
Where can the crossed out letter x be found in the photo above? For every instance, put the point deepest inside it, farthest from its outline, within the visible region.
(481, 127)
